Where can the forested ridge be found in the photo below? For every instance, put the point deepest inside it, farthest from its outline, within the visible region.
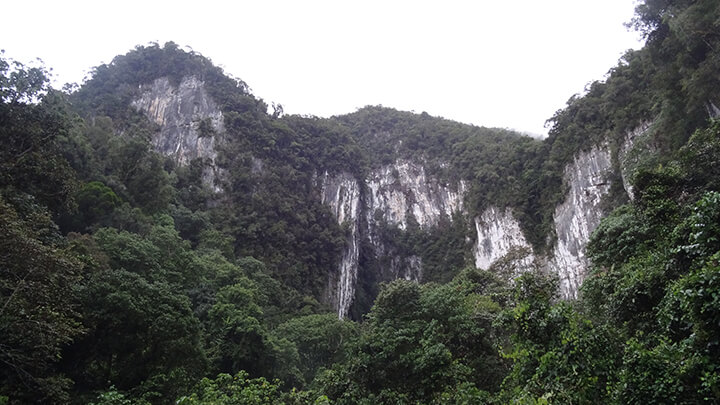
(125, 278)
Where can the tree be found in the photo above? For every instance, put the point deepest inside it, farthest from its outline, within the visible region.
(95, 204)
(141, 337)
(239, 339)
(30, 159)
(421, 344)
(37, 275)
(238, 389)
(20, 84)
(321, 341)
(37, 312)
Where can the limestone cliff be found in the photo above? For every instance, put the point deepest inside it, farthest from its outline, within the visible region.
(397, 193)
(578, 216)
(342, 194)
(636, 146)
(498, 234)
(401, 190)
(191, 124)
(393, 195)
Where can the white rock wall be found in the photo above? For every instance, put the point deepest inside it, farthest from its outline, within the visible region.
(499, 233)
(578, 216)
(397, 191)
(403, 190)
(178, 111)
(627, 158)
(409, 268)
(342, 193)
(713, 110)
(403, 187)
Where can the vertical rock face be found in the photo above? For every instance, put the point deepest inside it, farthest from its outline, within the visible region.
(342, 194)
(190, 121)
(402, 192)
(409, 268)
(402, 189)
(578, 216)
(499, 233)
(713, 110)
(628, 157)
(396, 193)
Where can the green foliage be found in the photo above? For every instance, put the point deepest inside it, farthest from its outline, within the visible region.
(37, 315)
(620, 236)
(695, 299)
(235, 322)
(97, 200)
(700, 154)
(442, 250)
(652, 376)
(137, 333)
(205, 128)
(690, 317)
(112, 397)
(30, 159)
(112, 86)
(566, 359)
(133, 164)
(327, 144)
(320, 340)
(501, 167)
(418, 343)
(96, 203)
(235, 389)
(655, 281)
(20, 84)
(192, 192)
(698, 236)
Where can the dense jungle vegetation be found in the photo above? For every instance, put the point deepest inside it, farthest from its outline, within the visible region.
(125, 279)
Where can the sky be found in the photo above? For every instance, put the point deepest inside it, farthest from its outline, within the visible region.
(502, 63)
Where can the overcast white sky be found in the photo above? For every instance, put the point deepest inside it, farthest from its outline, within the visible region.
(498, 63)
